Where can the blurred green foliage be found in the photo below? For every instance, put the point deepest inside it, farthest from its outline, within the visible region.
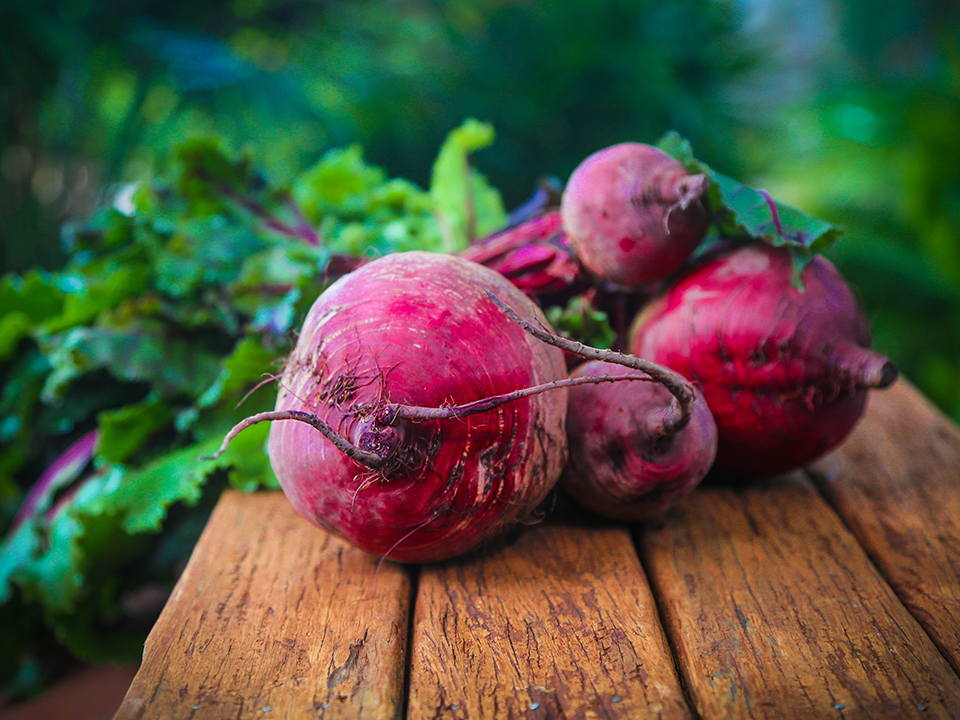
(848, 110)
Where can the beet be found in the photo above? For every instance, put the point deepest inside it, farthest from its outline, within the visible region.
(623, 463)
(430, 442)
(784, 371)
(417, 329)
(633, 214)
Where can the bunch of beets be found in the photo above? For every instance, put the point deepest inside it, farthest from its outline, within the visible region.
(428, 405)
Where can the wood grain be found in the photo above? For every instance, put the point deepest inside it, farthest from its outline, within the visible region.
(774, 611)
(896, 484)
(274, 618)
(559, 624)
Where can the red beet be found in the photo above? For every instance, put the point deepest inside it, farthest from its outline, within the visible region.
(784, 371)
(623, 463)
(633, 214)
(408, 331)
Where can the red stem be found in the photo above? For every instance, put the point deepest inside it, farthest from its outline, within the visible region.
(678, 386)
(61, 471)
(414, 412)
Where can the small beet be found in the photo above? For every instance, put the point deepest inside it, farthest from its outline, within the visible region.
(633, 214)
(785, 371)
(623, 463)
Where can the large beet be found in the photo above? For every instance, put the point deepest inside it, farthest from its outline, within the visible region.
(784, 371)
(408, 331)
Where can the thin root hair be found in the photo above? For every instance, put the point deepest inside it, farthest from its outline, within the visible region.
(267, 378)
(678, 386)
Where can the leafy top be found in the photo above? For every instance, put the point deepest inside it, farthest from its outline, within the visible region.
(743, 213)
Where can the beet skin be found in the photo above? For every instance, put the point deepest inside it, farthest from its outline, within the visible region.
(784, 371)
(633, 214)
(623, 463)
(416, 330)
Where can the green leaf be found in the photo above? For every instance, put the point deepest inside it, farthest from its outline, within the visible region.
(146, 494)
(360, 212)
(272, 281)
(134, 354)
(206, 176)
(55, 577)
(17, 551)
(340, 182)
(204, 252)
(277, 266)
(26, 302)
(19, 548)
(467, 205)
(100, 288)
(581, 321)
(754, 214)
(19, 404)
(95, 525)
(680, 149)
(745, 213)
(250, 363)
(124, 431)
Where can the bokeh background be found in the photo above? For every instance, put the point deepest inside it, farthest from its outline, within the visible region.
(846, 109)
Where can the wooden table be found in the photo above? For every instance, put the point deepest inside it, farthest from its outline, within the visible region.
(828, 593)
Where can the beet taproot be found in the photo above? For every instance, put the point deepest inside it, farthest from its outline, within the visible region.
(416, 330)
(633, 214)
(785, 371)
(624, 463)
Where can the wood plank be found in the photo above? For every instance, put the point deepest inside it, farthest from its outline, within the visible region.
(274, 618)
(561, 623)
(774, 610)
(896, 484)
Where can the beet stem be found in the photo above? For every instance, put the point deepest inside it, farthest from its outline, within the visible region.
(774, 213)
(414, 412)
(61, 471)
(303, 227)
(369, 459)
(681, 390)
(689, 189)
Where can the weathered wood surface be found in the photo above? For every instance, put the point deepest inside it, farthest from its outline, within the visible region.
(275, 619)
(772, 605)
(559, 624)
(896, 484)
(827, 593)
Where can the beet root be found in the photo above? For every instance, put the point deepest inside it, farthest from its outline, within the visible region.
(633, 214)
(379, 349)
(784, 371)
(623, 463)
